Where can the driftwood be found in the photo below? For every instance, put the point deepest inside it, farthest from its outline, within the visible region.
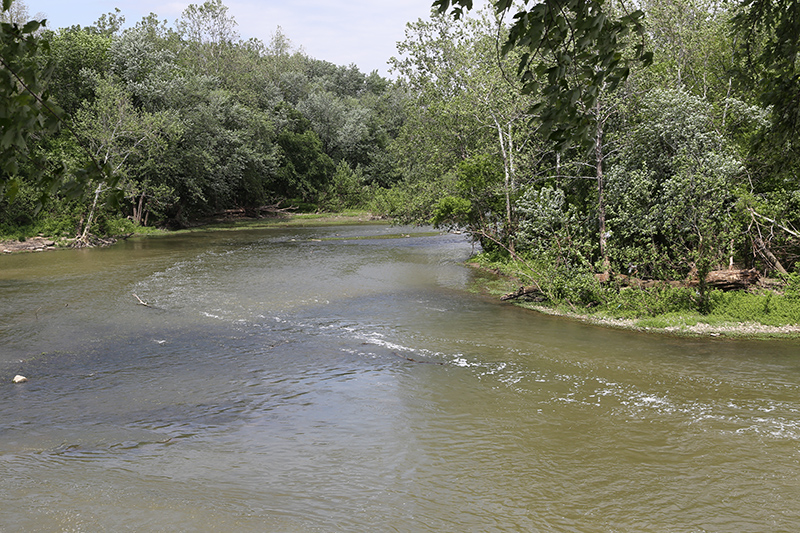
(141, 302)
(254, 212)
(90, 241)
(729, 280)
(627, 281)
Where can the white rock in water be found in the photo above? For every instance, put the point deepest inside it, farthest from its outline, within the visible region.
(19, 379)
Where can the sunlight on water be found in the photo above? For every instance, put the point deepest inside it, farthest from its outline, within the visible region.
(315, 380)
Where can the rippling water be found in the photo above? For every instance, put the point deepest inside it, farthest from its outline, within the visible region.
(270, 387)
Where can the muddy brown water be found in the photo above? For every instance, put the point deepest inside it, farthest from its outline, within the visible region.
(269, 388)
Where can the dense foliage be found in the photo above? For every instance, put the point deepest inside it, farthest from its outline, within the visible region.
(181, 122)
(665, 168)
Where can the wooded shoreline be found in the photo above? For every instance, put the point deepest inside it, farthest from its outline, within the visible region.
(42, 243)
(690, 325)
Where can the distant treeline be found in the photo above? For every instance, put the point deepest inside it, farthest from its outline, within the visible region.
(191, 120)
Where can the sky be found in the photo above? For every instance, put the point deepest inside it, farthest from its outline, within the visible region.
(364, 32)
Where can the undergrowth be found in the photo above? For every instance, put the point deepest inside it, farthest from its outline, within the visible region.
(576, 289)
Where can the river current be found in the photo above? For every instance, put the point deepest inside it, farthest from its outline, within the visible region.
(347, 379)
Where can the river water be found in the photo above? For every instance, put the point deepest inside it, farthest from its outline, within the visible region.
(347, 379)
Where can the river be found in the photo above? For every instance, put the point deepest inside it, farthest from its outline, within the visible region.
(347, 379)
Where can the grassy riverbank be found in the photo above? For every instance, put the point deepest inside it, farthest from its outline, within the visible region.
(286, 220)
(44, 241)
(760, 312)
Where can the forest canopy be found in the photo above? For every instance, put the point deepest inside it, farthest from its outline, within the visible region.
(160, 125)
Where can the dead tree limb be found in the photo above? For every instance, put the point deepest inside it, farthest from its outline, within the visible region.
(784, 228)
(762, 246)
(141, 302)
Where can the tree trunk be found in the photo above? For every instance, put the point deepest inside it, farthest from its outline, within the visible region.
(84, 238)
(601, 208)
(137, 212)
(762, 248)
(506, 154)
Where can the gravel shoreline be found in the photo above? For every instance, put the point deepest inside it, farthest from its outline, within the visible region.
(33, 244)
(732, 330)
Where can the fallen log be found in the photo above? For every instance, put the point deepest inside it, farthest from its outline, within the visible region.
(530, 292)
(729, 280)
(254, 212)
(628, 281)
(726, 280)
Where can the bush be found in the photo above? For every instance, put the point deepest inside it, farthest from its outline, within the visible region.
(62, 225)
(765, 308)
(344, 190)
(630, 302)
(792, 287)
(121, 226)
(561, 283)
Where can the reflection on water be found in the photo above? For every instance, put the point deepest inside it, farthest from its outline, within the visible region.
(269, 388)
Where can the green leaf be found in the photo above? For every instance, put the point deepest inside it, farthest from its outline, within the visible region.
(8, 138)
(31, 26)
(12, 188)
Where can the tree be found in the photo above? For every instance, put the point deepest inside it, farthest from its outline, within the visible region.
(304, 165)
(28, 112)
(226, 156)
(768, 31)
(767, 52)
(25, 106)
(210, 34)
(452, 69)
(570, 51)
(691, 44)
(145, 60)
(672, 192)
(79, 55)
(478, 203)
(109, 24)
(17, 13)
(326, 113)
(118, 134)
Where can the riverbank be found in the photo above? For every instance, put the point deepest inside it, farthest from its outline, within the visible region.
(737, 314)
(33, 244)
(43, 243)
(345, 218)
(684, 326)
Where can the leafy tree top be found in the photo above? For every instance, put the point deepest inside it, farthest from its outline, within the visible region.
(571, 50)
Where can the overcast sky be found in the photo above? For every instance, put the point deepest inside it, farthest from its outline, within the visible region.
(363, 32)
